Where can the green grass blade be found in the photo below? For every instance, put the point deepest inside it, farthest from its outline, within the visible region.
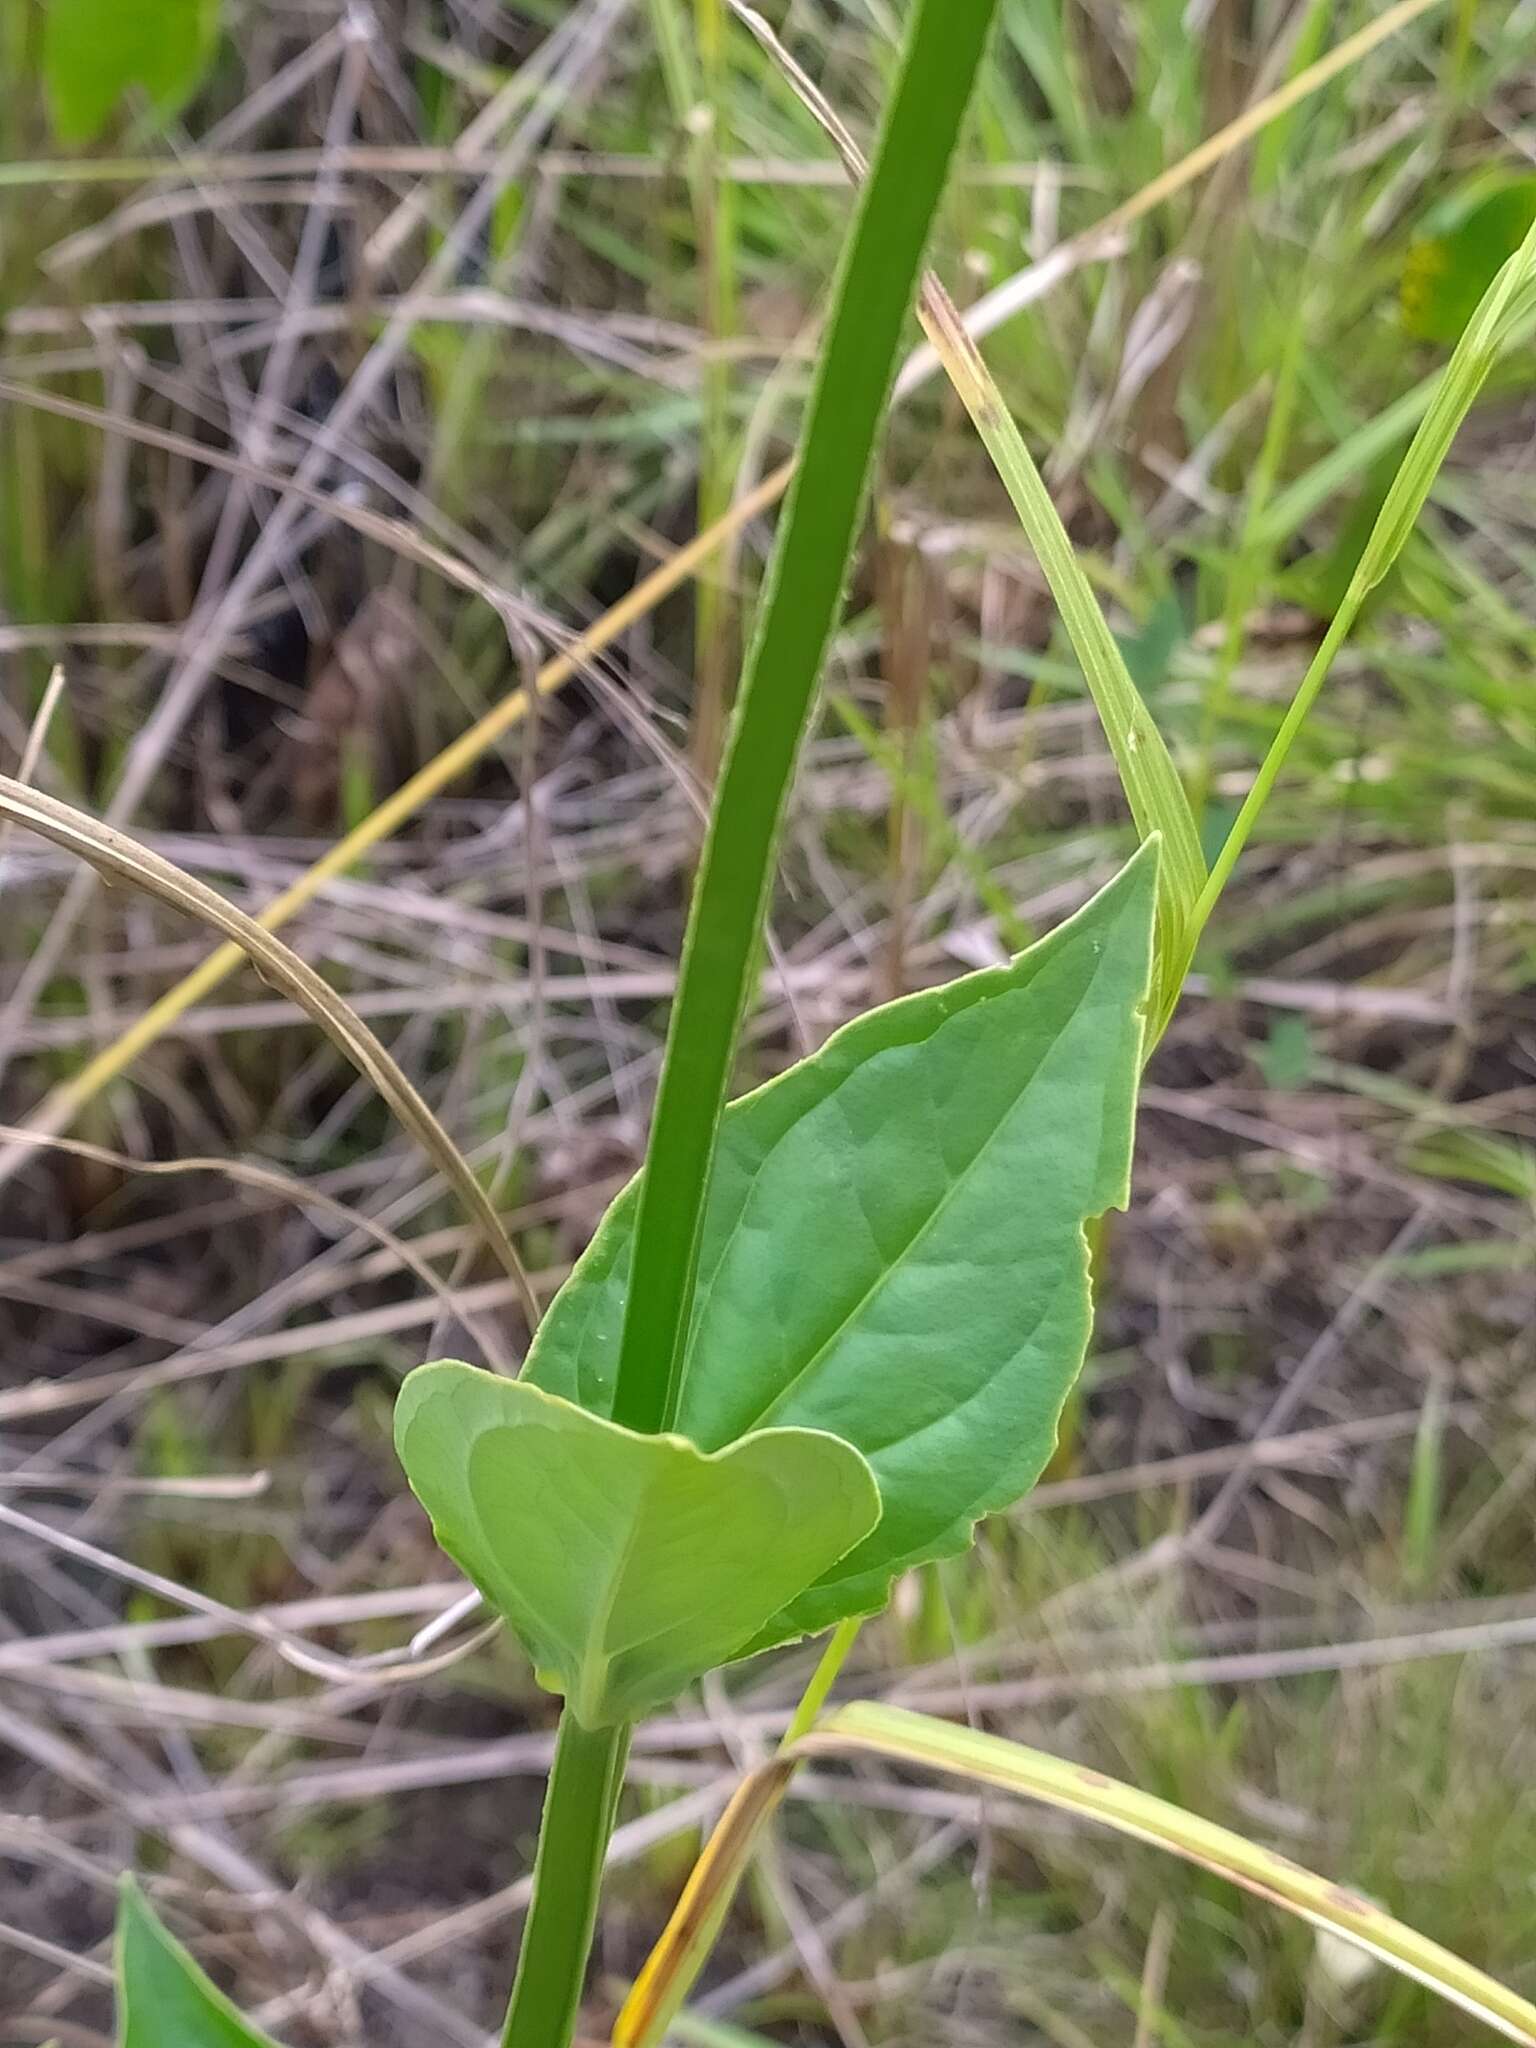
(1156, 795)
(1151, 782)
(874, 292)
(1507, 305)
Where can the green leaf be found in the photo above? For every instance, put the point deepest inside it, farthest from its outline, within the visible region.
(1286, 1058)
(627, 1564)
(95, 51)
(164, 1999)
(894, 1247)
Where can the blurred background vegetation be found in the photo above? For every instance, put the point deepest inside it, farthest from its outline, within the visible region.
(352, 358)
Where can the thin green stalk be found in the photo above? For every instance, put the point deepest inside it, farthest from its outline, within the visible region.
(714, 213)
(816, 539)
(874, 294)
(823, 1678)
(1156, 796)
(1458, 56)
(584, 1785)
(1252, 562)
(673, 56)
(1507, 306)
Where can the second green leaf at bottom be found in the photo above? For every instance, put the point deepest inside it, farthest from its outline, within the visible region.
(628, 1565)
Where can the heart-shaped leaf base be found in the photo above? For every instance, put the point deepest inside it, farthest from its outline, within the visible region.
(627, 1564)
(894, 1247)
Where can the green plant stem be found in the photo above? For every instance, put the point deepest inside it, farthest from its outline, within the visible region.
(714, 213)
(874, 293)
(1506, 309)
(1252, 560)
(1458, 55)
(823, 1678)
(584, 1784)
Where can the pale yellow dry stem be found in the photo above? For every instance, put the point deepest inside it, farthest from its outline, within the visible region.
(63, 1103)
(918, 1740)
(268, 1180)
(995, 307)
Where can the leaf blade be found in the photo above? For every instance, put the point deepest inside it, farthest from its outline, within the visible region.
(163, 1996)
(1447, 272)
(94, 51)
(627, 1564)
(894, 1249)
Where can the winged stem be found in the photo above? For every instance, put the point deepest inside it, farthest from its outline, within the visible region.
(872, 299)
(584, 1783)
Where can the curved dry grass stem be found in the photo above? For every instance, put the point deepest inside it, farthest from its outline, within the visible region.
(287, 1188)
(121, 859)
(387, 1668)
